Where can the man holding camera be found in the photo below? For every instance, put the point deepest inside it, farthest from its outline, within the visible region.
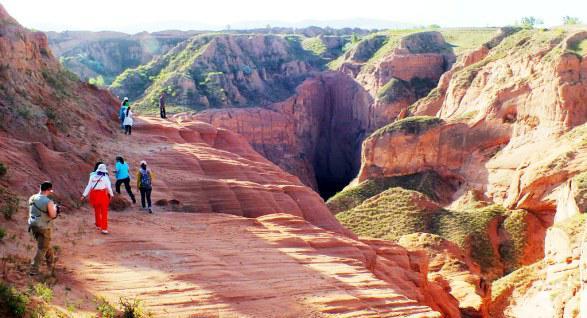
(42, 210)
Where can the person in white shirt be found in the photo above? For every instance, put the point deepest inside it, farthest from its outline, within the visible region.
(99, 189)
(128, 121)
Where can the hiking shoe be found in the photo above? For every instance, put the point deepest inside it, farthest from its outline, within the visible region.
(104, 231)
(150, 210)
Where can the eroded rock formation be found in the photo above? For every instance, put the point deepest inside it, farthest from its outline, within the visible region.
(497, 122)
(107, 54)
(315, 134)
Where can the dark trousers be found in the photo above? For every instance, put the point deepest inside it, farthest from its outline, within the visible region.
(126, 183)
(162, 111)
(44, 250)
(127, 129)
(145, 193)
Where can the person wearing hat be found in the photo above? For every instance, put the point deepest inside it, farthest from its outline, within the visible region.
(145, 185)
(99, 189)
(122, 113)
(42, 210)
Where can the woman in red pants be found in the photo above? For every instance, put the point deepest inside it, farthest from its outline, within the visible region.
(99, 189)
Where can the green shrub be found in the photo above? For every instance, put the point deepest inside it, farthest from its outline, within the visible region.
(105, 309)
(530, 22)
(12, 302)
(2, 233)
(10, 205)
(43, 291)
(414, 125)
(133, 309)
(567, 20)
(3, 170)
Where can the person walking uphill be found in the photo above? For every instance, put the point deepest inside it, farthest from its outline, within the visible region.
(122, 112)
(145, 185)
(99, 189)
(128, 121)
(42, 210)
(162, 105)
(123, 176)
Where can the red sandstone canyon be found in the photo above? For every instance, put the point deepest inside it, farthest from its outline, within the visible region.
(309, 172)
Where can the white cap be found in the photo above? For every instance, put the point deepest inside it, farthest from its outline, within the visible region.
(143, 162)
(126, 98)
(102, 168)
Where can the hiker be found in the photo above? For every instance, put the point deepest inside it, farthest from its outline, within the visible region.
(99, 189)
(42, 210)
(144, 183)
(122, 113)
(162, 105)
(123, 177)
(98, 163)
(128, 121)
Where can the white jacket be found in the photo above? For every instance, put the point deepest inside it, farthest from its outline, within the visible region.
(98, 182)
(128, 119)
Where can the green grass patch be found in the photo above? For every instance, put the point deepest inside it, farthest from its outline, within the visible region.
(390, 214)
(522, 278)
(465, 39)
(579, 48)
(580, 181)
(396, 212)
(314, 45)
(350, 197)
(414, 125)
(393, 91)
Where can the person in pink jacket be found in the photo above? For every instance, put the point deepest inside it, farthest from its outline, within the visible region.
(99, 189)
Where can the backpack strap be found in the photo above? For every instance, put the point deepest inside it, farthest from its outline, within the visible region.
(96, 184)
(37, 207)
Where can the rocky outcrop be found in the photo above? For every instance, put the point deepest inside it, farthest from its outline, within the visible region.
(315, 134)
(46, 113)
(494, 128)
(451, 268)
(552, 287)
(107, 54)
(210, 71)
(506, 125)
(409, 67)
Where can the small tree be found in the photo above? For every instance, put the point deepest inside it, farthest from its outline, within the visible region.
(530, 22)
(434, 26)
(571, 20)
(354, 38)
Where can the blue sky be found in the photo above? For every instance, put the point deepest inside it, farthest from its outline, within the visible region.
(135, 15)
